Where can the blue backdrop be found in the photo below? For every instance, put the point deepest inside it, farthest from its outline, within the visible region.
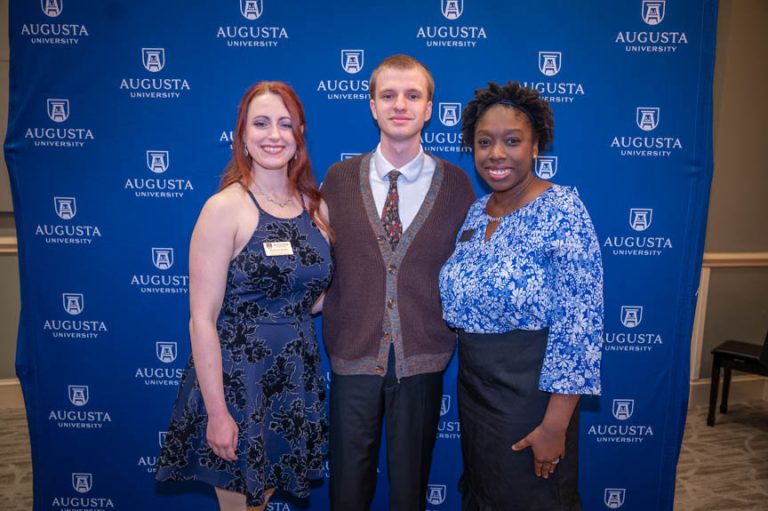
(120, 125)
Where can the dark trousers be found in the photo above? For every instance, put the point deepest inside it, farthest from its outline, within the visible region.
(359, 406)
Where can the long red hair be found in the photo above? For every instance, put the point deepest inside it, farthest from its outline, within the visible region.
(300, 173)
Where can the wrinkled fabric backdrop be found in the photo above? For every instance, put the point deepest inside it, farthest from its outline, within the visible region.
(121, 117)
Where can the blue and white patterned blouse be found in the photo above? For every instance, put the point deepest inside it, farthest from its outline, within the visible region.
(540, 268)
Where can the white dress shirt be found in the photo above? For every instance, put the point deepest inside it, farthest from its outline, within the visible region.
(412, 185)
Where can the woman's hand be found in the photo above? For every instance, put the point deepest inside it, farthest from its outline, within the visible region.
(221, 435)
(548, 438)
(548, 448)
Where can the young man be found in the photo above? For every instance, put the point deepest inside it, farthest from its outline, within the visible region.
(395, 213)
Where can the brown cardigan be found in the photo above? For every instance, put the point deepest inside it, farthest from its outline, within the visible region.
(379, 297)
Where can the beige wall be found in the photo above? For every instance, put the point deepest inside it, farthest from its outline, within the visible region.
(738, 302)
(737, 307)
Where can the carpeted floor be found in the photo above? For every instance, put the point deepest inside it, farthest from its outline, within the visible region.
(724, 468)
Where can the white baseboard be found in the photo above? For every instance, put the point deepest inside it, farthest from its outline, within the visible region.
(745, 387)
(10, 394)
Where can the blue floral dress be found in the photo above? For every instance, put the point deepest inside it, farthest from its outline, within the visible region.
(528, 307)
(273, 384)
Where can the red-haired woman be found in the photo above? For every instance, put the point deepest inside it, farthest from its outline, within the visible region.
(250, 417)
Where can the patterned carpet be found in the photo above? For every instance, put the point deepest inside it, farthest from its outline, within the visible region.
(724, 468)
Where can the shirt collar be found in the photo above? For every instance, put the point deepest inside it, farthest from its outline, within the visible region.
(410, 170)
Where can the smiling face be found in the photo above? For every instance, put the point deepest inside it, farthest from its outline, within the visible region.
(269, 135)
(401, 104)
(504, 149)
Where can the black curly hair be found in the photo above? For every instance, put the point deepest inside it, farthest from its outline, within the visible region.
(524, 99)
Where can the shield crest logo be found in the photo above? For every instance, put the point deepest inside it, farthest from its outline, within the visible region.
(352, 61)
(436, 494)
(166, 351)
(450, 114)
(66, 207)
(157, 161)
(653, 11)
(445, 405)
(549, 62)
(623, 408)
(161, 437)
(452, 9)
(251, 9)
(153, 59)
(52, 8)
(640, 218)
(73, 303)
(78, 394)
(647, 117)
(162, 258)
(82, 482)
(631, 315)
(58, 109)
(613, 498)
(546, 167)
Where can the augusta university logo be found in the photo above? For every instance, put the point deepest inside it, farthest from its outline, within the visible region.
(162, 258)
(157, 161)
(453, 35)
(647, 117)
(166, 351)
(549, 62)
(436, 494)
(53, 34)
(73, 303)
(445, 404)
(450, 114)
(78, 394)
(164, 281)
(640, 218)
(251, 9)
(613, 498)
(623, 409)
(651, 40)
(66, 207)
(546, 167)
(153, 59)
(653, 11)
(346, 87)
(82, 482)
(352, 61)
(631, 315)
(52, 8)
(58, 109)
(452, 9)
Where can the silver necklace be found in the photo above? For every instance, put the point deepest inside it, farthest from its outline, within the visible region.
(269, 198)
(495, 219)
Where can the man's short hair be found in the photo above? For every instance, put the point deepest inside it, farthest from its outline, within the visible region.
(401, 62)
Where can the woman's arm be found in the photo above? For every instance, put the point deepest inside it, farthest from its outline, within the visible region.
(210, 252)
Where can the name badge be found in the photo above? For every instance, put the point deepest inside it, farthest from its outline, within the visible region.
(467, 235)
(278, 248)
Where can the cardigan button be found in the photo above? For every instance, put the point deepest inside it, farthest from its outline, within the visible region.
(387, 336)
(380, 239)
(391, 303)
(380, 369)
(392, 269)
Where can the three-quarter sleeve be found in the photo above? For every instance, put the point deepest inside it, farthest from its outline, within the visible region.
(572, 360)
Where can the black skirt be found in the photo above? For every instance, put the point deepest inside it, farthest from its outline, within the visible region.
(499, 404)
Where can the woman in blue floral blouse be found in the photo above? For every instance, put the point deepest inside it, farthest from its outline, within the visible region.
(524, 291)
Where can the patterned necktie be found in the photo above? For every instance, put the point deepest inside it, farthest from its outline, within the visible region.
(390, 215)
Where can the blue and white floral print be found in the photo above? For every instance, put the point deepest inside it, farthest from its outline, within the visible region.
(541, 268)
